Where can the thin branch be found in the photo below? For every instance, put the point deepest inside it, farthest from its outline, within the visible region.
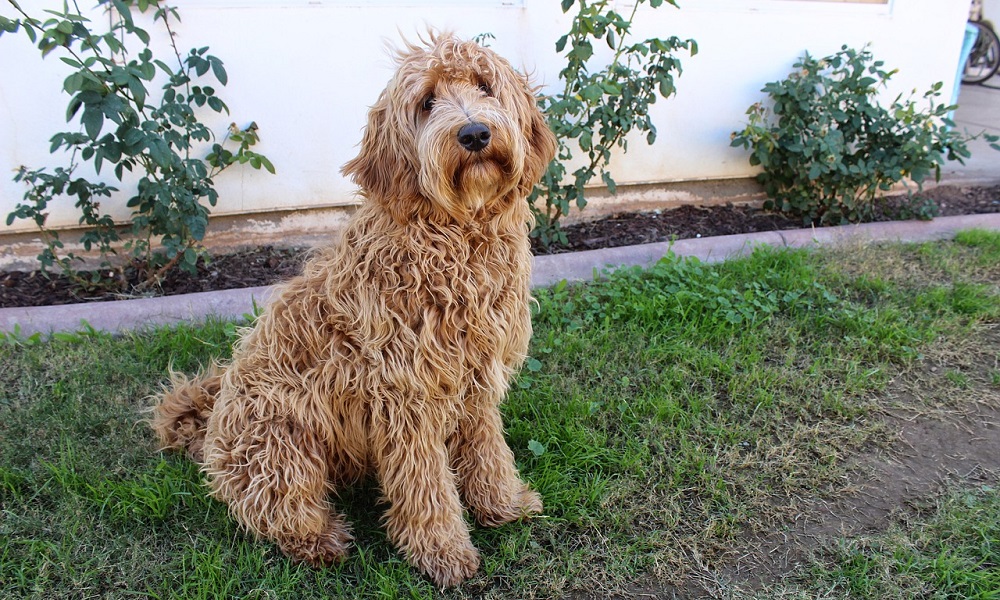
(155, 277)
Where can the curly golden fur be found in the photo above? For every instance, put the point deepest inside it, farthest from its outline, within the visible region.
(393, 349)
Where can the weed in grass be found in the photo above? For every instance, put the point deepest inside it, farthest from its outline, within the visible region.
(958, 379)
(12, 483)
(16, 337)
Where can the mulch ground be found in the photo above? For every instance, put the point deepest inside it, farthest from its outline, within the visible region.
(267, 264)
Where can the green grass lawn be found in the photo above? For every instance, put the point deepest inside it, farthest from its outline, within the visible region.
(664, 415)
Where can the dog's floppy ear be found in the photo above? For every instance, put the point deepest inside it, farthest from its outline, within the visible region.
(541, 145)
(380, 169)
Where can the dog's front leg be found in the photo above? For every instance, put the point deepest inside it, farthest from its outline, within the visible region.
(489, 480)
(425, 516)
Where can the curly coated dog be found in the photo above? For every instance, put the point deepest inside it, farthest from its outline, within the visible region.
(392, 351)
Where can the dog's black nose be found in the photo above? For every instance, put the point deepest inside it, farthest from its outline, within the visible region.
(474, 137)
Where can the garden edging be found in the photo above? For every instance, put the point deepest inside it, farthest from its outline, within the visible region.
(121, 315)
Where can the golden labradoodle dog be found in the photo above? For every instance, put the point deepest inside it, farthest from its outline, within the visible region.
(392, 351)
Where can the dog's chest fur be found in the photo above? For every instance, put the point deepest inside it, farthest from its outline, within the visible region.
(446, 307)
(460, 298)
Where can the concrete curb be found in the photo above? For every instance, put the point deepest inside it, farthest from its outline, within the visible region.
(578, 266)
(125, 315)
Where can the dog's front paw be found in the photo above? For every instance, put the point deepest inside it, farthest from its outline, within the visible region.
(318, 549)
(525, 502)
(448, 566)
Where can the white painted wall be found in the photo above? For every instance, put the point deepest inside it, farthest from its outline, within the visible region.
(306, 70)
(991, 10)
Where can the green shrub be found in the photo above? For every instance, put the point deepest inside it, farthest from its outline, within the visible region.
(828, 148)
(595, 111)
(123, 126)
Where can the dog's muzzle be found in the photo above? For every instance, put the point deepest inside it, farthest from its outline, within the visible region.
(474, 137)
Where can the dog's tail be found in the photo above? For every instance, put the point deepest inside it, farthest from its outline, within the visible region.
(182, 410)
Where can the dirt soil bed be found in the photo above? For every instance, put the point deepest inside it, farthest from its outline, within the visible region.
(267, 264)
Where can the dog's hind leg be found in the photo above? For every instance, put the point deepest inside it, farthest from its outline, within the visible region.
(273, 474)
(425, 517)
(488, 478)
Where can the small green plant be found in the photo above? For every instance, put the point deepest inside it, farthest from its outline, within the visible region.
(828, 148)
(596, 110)
(958, 379)
(123, 126)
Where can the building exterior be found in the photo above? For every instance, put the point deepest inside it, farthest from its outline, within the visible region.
(306, 70)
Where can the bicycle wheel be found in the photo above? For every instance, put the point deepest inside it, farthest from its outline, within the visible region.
(984, 60)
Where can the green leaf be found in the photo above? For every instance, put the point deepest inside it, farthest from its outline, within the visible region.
(134, 137)
(147, 71)
(160, 152)
(667, 87)
(190, 257)
(73, 108)
(561, 43)
(138, 92)
(591, 93)
(197, 227)
(610, 182)
(73, 83)
(537, 448)
(216, 104)
(218, 70)
(567, 4)
(582, 50)
(200, 66)
(533, 365)
(93, 120)
(163, 67)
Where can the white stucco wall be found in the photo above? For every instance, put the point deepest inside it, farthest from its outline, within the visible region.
(306, 70)
(991, 10)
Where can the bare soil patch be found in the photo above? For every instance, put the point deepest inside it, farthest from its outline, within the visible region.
(265, 265)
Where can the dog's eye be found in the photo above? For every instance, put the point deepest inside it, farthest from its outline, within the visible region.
(486, 89)
(428, 102)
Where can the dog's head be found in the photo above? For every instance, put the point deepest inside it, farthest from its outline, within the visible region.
(456, 130)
